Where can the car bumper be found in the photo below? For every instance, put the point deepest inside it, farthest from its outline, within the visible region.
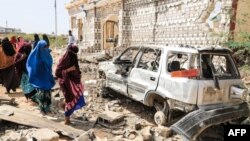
(197, 121)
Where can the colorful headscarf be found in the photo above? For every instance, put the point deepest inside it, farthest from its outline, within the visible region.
(13, 41)
(69, 59)
(19, 43)
(39, 67)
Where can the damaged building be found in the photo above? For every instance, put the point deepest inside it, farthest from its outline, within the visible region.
(105, 24)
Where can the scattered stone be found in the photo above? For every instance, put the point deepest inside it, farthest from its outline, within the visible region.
(138, 125)
(11, 136)
(161, 131)
(129, 134)
(159, 138)
(57, 102)
(119, 109)
(87, 136)
(23, 139)
(117, 132)
(45, 135)
(111, 119)
(146, 135)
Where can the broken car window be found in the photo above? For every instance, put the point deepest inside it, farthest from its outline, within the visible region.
(217, 64)
(178, 61)
(150, 59)
(129, 54)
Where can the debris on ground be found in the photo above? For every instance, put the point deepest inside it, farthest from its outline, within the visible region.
(111, 119)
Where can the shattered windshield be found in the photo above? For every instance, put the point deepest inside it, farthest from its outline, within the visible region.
(221, 65)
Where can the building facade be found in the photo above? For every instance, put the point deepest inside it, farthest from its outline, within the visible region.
(4, 30)
(95, 22)
(104, 24)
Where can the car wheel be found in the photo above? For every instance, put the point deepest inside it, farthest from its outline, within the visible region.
(160, 118)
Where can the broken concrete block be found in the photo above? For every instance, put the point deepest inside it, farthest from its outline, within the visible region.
(11, 136)
(119, 109)
(23, 139)
(111, 119)
(161, 131)
(138, 125)
(132, 135)
(129, 134)
(117, 132)
(87, 136)
(45, 134)
(146, 135)
(159, 138)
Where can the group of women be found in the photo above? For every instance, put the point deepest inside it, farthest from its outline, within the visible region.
(30, 66)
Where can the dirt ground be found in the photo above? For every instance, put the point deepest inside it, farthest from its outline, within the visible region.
(86, 118)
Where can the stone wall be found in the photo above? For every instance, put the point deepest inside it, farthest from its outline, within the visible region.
(191, 22)
(93, 23)
(89, 29)
(201, 22)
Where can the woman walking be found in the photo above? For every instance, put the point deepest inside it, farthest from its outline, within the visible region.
(46, 39)
(39, 67)
(36, 40)
(69, 76)
(20, 64)
(8, 77)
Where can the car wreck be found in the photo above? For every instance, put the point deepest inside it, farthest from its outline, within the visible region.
(203, 83)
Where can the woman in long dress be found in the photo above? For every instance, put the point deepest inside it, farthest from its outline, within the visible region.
(8, 77)
(20, 64)
(39, 67)
(69, 76)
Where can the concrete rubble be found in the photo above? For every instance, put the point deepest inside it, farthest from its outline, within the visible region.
(115, 118)
(42, 134)
(111, 119)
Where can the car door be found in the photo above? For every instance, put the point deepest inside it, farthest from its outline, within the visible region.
(219, 78)
(144, 76)
(117, 79)
(180, 88)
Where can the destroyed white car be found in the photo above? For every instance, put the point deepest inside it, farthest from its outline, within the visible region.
(202, 82)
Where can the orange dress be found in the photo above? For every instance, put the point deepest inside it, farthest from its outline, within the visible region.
(5, 61)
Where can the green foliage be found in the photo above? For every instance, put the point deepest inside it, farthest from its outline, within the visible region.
(234, 44)
(244, 41)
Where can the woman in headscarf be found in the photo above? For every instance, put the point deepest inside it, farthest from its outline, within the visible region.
(45, 38)
(69, 76)
(20, 64)
(39, 67)
(20, 42)
(13, 41)
(9, 79)
(36, 40)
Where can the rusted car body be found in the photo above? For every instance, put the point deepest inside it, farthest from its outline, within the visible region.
(204, 83)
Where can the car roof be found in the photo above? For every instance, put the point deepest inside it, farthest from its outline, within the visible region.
(189, 49)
